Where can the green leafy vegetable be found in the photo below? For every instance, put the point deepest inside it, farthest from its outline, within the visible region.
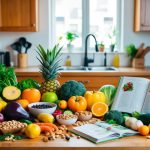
(131, 50)
(135, 114)
(7, 77)
(8, 135)
(115, 117)
(109, 91)
(28, 83)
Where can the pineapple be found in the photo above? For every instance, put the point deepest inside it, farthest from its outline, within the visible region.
(49, 60)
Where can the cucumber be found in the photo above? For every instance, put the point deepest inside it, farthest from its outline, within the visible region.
(26, 121)
(68, 112)
(145, 118)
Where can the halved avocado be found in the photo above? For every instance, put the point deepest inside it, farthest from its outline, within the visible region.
(11, 93)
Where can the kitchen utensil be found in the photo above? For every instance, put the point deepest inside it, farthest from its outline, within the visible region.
(16, 46)
(27, 45)
(146, 50)
(140, 51)
(22, 41)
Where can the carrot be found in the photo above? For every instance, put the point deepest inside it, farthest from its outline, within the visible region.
(46, 129)
(48, 124)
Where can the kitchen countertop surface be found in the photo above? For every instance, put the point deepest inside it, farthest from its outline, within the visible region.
(122, 71)
(127, 143)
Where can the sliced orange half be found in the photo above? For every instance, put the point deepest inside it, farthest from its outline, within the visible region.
(99, 109)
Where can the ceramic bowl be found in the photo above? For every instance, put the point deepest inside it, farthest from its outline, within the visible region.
(84, 115)
(66, 119)
(37, 111)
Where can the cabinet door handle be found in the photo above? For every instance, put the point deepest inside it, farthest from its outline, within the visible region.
(84, 81)
(33, 25)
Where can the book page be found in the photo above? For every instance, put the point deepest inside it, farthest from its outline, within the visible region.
(130, 99)
(146, 105)
(123, 131)
(94, 133)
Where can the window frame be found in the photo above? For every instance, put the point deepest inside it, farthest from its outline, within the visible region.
(85, 24)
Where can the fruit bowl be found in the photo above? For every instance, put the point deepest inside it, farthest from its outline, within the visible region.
(66, 119)
(41, 107)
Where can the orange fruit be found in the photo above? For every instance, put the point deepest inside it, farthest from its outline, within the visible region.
(149, 127)
(144, 130)
(62, 104)
(32, 95)
(23, 102)
(99, 109)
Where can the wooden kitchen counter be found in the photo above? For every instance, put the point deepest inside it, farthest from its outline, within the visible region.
(127, 143)
(122, 71)
(92, 80)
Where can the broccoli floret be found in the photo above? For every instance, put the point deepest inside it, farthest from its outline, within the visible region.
(114, 115)
(72, 88)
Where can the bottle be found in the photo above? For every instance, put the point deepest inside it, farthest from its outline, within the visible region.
(116, 60)
(68, 61)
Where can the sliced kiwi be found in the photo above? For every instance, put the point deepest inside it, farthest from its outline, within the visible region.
(68, 112)
(11, 93)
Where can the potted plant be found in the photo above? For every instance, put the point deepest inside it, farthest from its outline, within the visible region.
(112, 37)
(70, 36)
(101, 47)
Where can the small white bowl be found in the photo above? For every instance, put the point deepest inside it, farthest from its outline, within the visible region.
(84, 115)
(66, 122)
(37, 111)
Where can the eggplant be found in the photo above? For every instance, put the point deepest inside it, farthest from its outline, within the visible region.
(14, 111)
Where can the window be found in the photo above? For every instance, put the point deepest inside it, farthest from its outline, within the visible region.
(82, 17)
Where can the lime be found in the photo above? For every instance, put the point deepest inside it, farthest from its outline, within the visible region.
(68, 112)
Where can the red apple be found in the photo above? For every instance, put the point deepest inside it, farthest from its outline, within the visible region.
(57, 112)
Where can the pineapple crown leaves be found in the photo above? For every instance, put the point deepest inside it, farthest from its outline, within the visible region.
(50, 61)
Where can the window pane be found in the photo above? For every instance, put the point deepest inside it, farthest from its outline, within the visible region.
(69, 18)
(103, 15)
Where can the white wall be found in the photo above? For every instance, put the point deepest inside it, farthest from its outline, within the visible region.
(42, 37)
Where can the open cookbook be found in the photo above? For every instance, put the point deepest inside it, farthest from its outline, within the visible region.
(102, 131)
(133, 94)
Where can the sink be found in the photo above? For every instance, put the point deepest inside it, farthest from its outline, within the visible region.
(90, 69)
(74, 68)
(102, 68)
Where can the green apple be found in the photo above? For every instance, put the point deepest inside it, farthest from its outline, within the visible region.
(49, 97)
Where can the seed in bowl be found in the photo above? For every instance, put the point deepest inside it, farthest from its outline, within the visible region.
(42, 106)
(67, 116)
(83, 113)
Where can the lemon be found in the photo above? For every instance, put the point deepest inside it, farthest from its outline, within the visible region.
(45, 117)
(1, 107)
(32, 131)
(3, 103)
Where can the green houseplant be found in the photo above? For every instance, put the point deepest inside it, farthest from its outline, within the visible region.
(112, 37)
(70, 36)
(101, 47)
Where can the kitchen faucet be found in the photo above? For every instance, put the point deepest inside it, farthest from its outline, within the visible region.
(86, 59)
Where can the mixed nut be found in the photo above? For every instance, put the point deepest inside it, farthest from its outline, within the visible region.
(67, 116)
(63, 132)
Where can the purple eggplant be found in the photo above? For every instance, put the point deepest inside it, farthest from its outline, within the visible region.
(14, 111)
